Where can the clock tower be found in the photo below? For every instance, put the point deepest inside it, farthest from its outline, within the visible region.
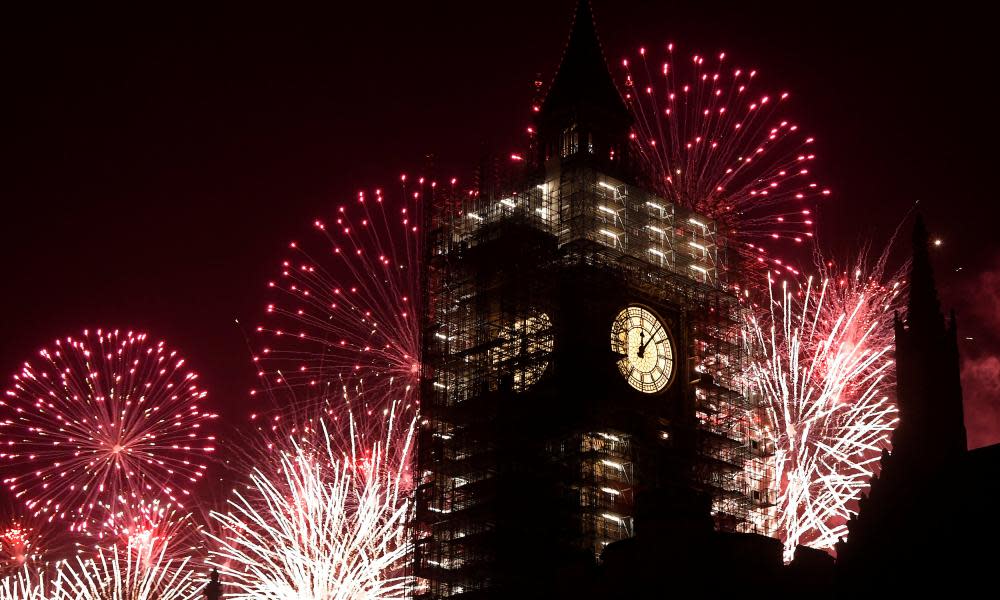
(582, 362)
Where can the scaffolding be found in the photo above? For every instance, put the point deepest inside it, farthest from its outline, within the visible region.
(588, 205)
(496, 348)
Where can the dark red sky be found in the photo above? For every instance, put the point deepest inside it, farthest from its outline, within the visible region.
(160, 158)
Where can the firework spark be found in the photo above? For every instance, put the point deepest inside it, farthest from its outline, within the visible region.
(346, 311)
(715, 144)
(110, 575)
(821, 361)
(17, 542)
(99, 421)
(326, 520)
(27, 540)
(115, 575)
(147, 530)
(26, 584)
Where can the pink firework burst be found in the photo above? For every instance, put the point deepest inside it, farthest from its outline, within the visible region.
(147, 530)
(30, 540)
(99, 420)
(355, 434)
(23, 541)
(18, 544)
(715, 143)
(343, 325)
(821, 362)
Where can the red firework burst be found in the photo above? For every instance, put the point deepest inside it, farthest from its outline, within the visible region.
(16, 544)
(148, 531)
(23, 541)
(344, 325)
(713, 142)
(99, 421)
(31, 540)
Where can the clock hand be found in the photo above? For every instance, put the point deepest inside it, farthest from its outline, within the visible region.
(642, 347)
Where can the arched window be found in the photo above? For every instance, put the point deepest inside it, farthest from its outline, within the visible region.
(570, 141)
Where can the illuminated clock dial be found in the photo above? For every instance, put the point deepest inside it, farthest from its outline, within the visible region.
(647, 355)
(524, 349)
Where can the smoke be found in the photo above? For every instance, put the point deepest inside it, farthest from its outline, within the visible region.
(977, 300)
(981, 386)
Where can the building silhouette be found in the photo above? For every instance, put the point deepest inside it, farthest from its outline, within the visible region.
(929, 516)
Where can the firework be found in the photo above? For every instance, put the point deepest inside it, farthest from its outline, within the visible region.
(344, 322)
(117, 575)
(100, 421)
(27, 540)
(711, 141)
(821, 362)
(147, 530)
(324, 518)
(26, 584)
(17, 542)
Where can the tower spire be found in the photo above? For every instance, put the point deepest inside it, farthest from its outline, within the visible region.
(583, 115)
(923, 308)
(583, 76)
(928, 387)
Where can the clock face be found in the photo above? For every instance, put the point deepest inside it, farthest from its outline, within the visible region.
(647, 355)
(524, 349)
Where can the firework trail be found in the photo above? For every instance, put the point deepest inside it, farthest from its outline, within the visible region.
(323, 514)
(121, 575)
(99, 421)
(26, 584)
(324, 518)
(821, 362)
(344, 322)
(111, 575)
(713, 143)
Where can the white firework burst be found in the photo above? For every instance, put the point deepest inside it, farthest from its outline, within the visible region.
(325, 519)
(822, 364)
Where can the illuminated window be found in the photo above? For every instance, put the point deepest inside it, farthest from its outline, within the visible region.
(570, 142)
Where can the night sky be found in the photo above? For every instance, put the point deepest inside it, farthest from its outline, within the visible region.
(159, 159)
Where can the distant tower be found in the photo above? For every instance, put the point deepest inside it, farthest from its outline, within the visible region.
(931, 427)
(904, 526)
